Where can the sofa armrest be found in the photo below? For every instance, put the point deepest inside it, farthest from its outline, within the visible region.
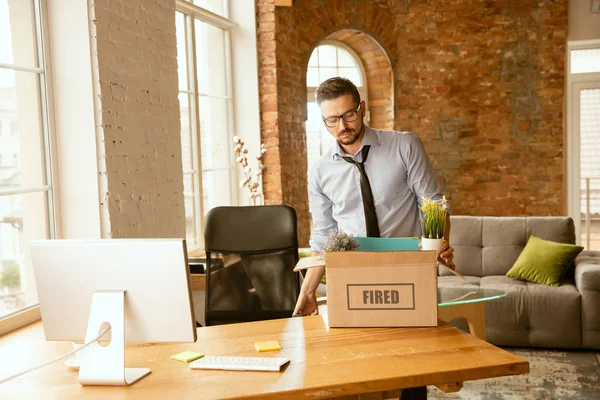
(587, 281)
(587, 271)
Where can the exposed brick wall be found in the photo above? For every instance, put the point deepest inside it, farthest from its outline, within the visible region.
(281, 122)
(138, 133)
(298, 29)
(378, 75)
(481, 82)
(267, 80)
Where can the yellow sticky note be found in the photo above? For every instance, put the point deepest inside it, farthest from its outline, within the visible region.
(269, 345)
(187, 356)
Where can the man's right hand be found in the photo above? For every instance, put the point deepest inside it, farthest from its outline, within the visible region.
(307, 300)
(306, 304)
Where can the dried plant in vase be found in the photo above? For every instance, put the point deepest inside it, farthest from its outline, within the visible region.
(251, 181)
(338, 240)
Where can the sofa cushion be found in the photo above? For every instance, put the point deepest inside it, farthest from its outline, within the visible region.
(497, 260)
(544, 262)
(465, 237)
(468, 261)
(556, 229)
(485, 246)
(533, 315)
(530, 314)
(503, 239)
(453, 281)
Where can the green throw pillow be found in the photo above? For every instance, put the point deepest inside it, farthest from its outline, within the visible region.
(543, 261)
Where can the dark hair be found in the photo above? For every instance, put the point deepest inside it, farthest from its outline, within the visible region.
(336, 87)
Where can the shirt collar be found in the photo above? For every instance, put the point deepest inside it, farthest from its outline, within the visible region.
(370, 138)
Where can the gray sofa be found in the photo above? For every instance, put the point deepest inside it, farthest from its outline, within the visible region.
(530, 315)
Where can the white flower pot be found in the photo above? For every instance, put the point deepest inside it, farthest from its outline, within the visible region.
(431, 244)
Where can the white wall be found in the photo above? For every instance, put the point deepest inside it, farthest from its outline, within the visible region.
(139, 126)
(116, 113)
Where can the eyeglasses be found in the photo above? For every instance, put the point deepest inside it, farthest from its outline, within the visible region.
(348, 116)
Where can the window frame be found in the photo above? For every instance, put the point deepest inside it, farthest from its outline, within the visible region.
(31, 313)
(362, 90)
(191, 13)
(574, 83)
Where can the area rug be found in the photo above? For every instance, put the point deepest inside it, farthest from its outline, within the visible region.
(554, 375)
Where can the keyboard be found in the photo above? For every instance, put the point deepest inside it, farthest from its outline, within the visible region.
(240, 363)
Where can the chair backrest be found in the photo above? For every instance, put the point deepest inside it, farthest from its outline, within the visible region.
(251, 252)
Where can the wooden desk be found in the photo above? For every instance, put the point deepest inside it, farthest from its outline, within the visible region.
(325, 363)
(198, 281)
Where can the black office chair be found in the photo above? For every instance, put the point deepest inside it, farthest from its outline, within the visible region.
(251, 253)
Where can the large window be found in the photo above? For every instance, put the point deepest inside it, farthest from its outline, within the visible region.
(583, 118)
(326, 61)
(26, 201)
(205, 97)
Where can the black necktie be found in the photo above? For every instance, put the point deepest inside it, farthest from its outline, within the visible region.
(367, 195)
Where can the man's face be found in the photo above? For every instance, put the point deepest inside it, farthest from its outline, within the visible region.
(346, 133)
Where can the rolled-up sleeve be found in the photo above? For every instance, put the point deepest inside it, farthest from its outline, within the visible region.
(421, 174)
(321, 211)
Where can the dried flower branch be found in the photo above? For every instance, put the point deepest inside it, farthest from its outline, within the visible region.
(250, 181)
(338, 240)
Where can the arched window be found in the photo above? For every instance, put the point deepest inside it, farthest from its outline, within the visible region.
(327, 60)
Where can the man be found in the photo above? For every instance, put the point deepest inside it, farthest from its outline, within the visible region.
(397, 169)
(378, 198)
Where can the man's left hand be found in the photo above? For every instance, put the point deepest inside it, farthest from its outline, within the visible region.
(445, 254)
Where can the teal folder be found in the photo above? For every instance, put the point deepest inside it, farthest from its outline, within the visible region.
(387, 244)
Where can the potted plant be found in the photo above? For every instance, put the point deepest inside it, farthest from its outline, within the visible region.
(433, 223)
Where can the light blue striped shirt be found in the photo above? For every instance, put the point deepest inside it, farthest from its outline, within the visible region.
(400, 173)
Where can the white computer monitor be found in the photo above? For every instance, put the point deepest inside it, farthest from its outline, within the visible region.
(140, 287)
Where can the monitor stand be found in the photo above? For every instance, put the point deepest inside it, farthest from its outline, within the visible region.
(105, 365)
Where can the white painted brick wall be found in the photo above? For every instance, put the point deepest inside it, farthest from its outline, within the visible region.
(138, 128)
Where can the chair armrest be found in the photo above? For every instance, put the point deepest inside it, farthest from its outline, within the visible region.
(587, 271)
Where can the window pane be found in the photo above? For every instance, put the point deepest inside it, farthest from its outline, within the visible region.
(345, 59)
(584, 61)
(312, 77)
(191, 214)
(181, 52)
(186, 134)
(327, 57)
(318, 139)
(214, 133)
(22, 218)
(17, 33)
(210, 53)
(217, 189)
(589, 117)
(326, 73)
(351, 73)
(21, 144)
(314, 59)
(216, 6)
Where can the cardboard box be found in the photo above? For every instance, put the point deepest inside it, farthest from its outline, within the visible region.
(388, 288)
